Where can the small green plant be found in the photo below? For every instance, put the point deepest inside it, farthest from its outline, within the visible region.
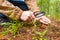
(40, 35)
(11, 27)
(15, 26)
(5, 31)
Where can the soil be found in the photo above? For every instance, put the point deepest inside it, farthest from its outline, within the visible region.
(53, 32)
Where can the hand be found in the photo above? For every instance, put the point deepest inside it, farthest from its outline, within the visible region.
(27, 16)
(44, 20)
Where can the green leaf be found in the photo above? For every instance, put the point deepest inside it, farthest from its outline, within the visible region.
(39, 33)
(40, 38)
(44, 32)
(45, 39)
(5, 23)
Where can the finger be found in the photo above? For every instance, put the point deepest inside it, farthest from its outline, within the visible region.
(43, 22)
(48, 20)
(25, 15)
(45, 19)
(29, 18)
(24, 18)
(32, 15)
(40, 18)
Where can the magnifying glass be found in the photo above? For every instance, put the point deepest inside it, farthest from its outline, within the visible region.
(39, 14)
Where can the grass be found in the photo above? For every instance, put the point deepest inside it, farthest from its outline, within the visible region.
(40, 35)
(11, 27)
(50, 7)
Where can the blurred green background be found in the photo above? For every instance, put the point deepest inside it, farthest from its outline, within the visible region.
(50, 7)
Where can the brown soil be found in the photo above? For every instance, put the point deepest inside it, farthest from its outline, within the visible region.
(53, 33)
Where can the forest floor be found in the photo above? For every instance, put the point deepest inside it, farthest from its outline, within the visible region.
(53, 32)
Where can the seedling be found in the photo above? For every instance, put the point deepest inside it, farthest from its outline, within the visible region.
(40, 35)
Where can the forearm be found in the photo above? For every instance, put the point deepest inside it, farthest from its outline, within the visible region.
(32, 5)
(10, 10)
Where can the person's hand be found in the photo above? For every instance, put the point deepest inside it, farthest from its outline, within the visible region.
(44, 20)
(27, 16)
